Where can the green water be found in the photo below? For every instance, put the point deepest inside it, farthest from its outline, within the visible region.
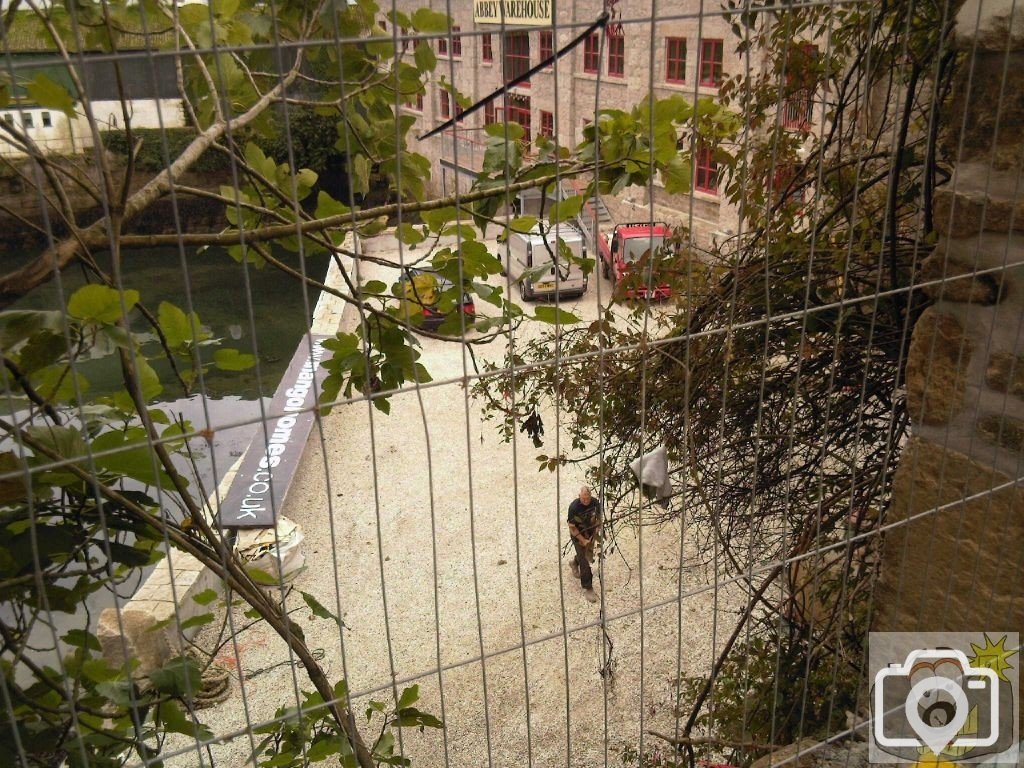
(257, 311)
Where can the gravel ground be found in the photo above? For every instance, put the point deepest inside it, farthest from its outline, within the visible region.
(444, 476)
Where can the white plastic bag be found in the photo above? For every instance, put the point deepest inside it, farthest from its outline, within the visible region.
(280, 555)
(651, 472)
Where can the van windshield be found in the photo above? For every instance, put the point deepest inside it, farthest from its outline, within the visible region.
(638, 247)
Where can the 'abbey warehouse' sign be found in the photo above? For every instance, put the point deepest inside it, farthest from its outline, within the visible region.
(534, 13)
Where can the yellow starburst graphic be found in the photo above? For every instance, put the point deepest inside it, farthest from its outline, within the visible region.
(993, 656)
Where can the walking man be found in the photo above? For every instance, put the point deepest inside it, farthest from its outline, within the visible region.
(584, 527)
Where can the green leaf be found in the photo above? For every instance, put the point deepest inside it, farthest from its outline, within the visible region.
(554, 315)
(426, 20)
(206, 597)
(438, 218)
(79, 638)
(175, 324)
(149, 382)
(323, 748)
(676, 175)
(197, 621)
(318, 609)
(414, 717)
(408, 234)
(99, 671)
(171, 716)
(100, 304)
(523, 224)
(424, 56)
(180, 676)
(117, 691)
(565, 209)
(224, 8)
(46, 93)
(233, 360)
(409, 697)
(262, 578)
(511, 131)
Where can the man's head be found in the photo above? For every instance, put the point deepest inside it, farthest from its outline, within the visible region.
(585, 494)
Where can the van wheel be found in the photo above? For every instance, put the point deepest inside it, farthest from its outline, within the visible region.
(524, 293)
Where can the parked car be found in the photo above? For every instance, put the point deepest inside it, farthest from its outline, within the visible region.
(423, 289)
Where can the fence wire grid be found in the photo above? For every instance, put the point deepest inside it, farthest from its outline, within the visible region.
(317, 318)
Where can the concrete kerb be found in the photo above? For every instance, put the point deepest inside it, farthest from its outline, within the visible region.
(148, 628)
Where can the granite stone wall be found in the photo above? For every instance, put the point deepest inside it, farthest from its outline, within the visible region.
(958, 561)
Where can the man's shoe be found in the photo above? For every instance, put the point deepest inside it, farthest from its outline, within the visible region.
(590, 595)
(575, 568)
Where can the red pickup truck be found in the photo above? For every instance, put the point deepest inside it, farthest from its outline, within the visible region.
(634, 243)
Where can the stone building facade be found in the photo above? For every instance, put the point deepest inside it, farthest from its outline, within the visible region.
(684, 52)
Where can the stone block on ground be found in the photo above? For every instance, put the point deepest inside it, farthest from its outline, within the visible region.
(1006, 373)
(958, 281)
(936, 368)
(954, 567)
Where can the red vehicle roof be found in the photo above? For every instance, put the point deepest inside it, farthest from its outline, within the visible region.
(643, 230)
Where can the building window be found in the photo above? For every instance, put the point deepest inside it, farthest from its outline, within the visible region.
(707, 170)
(517, 56)
(801, 82)
(47, 121)
(711, 62)
(26, 121)
(547, 45)
(785, 187)
(442, 46)
(416, 103)
(616, 55)
(592, 54)
(547, 124)
(446, 105)
(517, 110)
(486, 48)
(489, 116)
(456, 42)
(675, 59)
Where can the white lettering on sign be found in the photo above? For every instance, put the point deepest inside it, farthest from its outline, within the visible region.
(257, 494)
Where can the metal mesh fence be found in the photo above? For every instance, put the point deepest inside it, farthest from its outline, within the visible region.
(318, 317)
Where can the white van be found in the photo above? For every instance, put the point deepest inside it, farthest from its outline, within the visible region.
(529, 253)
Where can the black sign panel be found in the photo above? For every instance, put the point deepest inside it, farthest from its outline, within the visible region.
(268, 467)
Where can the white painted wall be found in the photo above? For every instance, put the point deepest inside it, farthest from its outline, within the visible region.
(53, 132)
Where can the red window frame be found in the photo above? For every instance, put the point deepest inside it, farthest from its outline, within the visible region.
(517, 56)
(782, 179)
(517, 110)
(456, 42)
(442, 46)
(705, 178)
(592, 54)
(801, 83)
(546, 44)
(617, 55)
(486, 48)
(675, 59)
(547, 124)
(710, 71)
(446, 105)
(416, 103)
